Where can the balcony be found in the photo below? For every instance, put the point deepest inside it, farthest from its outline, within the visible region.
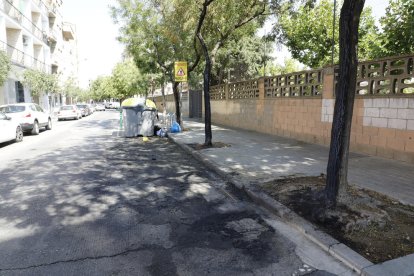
(13, 12)
(67, 31)
(18, 16)
(40, 4)
(22, 59)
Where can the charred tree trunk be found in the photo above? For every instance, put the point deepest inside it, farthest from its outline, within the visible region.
(206, 87)
(206, 77)
(337, 170)
(207, 116)
(176, 93)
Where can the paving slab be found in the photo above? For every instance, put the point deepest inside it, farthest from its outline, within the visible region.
(260, 157)
(403, 266)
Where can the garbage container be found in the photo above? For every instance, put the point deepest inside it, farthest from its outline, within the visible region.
(138, 117)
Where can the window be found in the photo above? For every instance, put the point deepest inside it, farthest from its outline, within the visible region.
(19, 92)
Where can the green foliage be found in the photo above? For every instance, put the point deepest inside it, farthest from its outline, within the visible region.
(127, 81)
(102, 89)
(5, 66)
(398, 28)
(39, 82)
(289, 66)
(243, 59)
(69, 87)
(156, 33)
(307, 32)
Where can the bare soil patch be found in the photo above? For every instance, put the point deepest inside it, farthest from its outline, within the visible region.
(375, 226)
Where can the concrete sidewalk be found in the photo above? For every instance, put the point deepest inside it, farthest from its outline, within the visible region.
(252, 158)
(256, 157)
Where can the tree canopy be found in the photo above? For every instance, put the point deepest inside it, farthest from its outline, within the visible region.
(398, 28)
(5, 66)
(127, 81)
(40, 82)
(307, 31)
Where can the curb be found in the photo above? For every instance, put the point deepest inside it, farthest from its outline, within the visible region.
(328, 244)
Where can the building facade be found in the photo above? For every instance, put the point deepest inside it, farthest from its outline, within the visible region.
(34, 36)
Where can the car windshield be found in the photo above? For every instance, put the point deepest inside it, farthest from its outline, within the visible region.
(81, 105)
(66, 107)
(12, 108)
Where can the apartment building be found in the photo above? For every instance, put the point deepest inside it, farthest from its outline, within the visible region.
(34, 35)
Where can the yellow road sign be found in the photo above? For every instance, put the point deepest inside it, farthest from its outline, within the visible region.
(180, 71)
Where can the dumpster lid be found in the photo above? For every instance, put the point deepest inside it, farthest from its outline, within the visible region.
(133, 102)
(150, 104)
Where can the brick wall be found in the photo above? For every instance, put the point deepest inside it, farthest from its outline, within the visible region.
(382, 125)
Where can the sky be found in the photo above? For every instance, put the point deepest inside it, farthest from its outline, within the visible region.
(98, 48)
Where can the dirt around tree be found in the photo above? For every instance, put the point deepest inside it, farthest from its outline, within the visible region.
(372, 224)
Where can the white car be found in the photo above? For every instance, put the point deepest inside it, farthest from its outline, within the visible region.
(9, 129)
(30, 116)
(69, 112)
(100, 107)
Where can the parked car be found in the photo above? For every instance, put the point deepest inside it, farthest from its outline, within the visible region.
(100, 107)
(30, 116)
(69, 112)
(10, 129)
(84, 109)
(112, 105)
(91, 108)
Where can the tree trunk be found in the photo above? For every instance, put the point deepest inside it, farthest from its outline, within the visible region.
(207, 107)
(206, 77)
(176, 93)
(337, 170)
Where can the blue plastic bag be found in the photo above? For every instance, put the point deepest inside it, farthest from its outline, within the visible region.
(175, 128)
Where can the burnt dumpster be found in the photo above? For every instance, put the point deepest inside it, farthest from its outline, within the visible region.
(138, 117)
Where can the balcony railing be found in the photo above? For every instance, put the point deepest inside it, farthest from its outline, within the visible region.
(17, 15)
(40, 4)
(22, 59)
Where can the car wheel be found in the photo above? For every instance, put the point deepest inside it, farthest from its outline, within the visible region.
(76, 118)
(59, 119)
(19, 134)
(35, 130)
(49, 125)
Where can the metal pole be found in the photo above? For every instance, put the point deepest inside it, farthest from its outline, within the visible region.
(264, 59)
(181, 106)
(333, 32)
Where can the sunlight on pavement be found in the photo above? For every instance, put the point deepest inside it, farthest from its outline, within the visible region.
(10, 230)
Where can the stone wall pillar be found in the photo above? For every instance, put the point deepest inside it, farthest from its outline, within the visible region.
(328, 83)
(261, 88)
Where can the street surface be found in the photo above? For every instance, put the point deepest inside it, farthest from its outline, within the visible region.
(78, 200)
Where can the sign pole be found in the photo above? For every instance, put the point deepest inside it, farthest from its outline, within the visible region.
(180, 75)
(181, 106)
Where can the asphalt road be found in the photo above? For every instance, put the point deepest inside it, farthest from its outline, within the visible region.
(78, 200)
